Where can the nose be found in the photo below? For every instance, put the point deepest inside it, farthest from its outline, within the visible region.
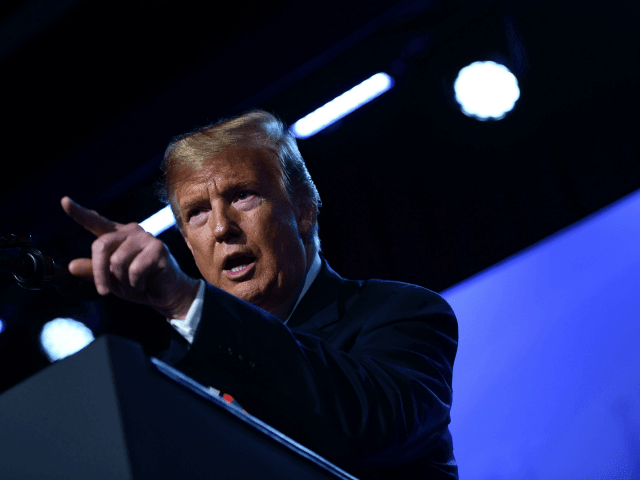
(224, 223)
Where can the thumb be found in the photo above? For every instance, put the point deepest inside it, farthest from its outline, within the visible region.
(81, 267)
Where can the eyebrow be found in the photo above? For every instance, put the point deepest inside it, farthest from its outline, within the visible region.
(193, 194)
(232, 186)
(240, 184)
(188, 205)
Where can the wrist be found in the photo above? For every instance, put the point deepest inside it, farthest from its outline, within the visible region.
(188, 292)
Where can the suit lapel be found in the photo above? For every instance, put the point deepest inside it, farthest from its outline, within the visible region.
(319, 307)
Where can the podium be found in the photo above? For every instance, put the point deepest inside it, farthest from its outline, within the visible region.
(111, 412)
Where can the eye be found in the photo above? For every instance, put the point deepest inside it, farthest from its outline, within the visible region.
(246, 200)
(244, 195)
(195, 216)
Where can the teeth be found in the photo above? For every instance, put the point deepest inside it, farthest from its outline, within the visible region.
(237, 269)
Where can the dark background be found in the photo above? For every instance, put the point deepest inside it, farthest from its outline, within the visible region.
(412, 189)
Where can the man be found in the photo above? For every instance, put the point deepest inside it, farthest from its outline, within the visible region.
(358, 371)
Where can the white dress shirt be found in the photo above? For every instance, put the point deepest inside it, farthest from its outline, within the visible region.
(188, 326)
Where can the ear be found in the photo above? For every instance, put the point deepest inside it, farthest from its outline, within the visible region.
(306, 220)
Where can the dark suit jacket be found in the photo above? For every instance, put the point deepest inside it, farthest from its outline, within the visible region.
(361, 374)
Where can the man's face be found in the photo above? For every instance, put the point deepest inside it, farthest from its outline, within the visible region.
(245, 235)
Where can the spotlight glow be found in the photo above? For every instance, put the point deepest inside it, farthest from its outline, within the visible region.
(159, 222)
(63, 337)
(303, 128)
(486, 90)
(1, 325)
(341, 106)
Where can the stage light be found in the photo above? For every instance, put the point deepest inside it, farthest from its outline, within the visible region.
(63, 337)
(303, 128)
(342, 106)
(486, 90)
(1, 325)
(159, 222)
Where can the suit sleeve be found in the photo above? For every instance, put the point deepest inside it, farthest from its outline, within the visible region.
(374, 397)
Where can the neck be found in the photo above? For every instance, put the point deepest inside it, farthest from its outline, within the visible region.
(283, 312)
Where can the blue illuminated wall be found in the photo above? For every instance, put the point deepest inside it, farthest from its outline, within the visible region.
(546, 384)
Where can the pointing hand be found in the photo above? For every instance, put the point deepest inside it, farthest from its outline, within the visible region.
(132, 264)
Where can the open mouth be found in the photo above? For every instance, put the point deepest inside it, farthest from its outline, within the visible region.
(238, 265)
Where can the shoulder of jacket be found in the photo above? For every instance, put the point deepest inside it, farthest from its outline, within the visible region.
(394, 287)
(409, 293)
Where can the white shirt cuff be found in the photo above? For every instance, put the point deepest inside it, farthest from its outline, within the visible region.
(187, 327)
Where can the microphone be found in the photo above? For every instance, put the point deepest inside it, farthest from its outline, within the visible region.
(22, 266)
(33, 270)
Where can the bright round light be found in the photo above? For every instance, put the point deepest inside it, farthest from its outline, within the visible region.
(486, 90)
(1, 325)
(63, 337)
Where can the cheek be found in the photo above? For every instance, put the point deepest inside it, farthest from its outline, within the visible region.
(264, 226)
(282, 233)
(200, 248)
(198, 256)
(288, 245)
(276, 238)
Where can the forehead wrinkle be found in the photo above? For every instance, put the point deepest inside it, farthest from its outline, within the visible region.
(230, 178)
(216, 182)
(229, 174)
(190, 190)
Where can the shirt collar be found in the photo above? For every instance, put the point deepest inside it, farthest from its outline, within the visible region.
(311, 276)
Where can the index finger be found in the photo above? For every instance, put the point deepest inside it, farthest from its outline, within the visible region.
(89, 219)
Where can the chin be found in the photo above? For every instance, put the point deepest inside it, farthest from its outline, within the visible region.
(248, 291)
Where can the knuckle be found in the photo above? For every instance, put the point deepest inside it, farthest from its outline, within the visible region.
(151, 240)
(158, 247)
(119, 255)
(134, 277)
(137, 275)
(154, 249)
(99, 245)
(104, 243)
(117, 266)
(140, 236)
(132, 227)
